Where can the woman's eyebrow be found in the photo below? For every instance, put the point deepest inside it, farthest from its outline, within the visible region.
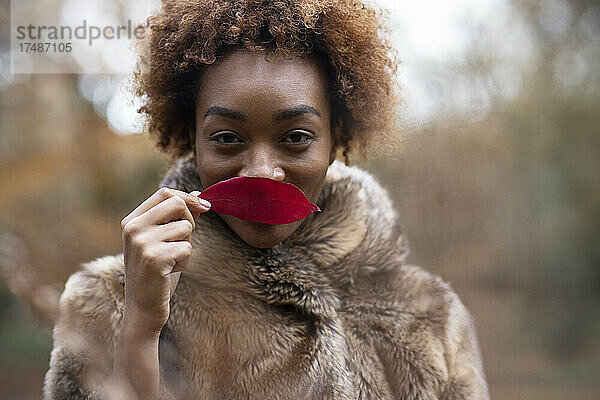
(296, 111)
(225, 112)
(287, 113)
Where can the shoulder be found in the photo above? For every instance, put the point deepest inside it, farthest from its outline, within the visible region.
(105, 274)
(427, 321)
(434, 305)
(90, 312)
(95, 293)
(413, 292)
(422, 293)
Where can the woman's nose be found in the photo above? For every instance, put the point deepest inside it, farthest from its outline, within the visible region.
(263, 164)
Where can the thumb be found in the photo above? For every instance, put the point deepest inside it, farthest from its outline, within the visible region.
(204, 205)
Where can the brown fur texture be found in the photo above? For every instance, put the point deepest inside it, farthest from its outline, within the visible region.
(332, 312)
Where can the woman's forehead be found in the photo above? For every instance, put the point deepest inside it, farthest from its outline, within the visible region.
(243, 76)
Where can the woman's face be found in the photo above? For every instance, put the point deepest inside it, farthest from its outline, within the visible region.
(264, 119)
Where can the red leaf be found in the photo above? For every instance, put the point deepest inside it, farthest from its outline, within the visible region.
(259, 199)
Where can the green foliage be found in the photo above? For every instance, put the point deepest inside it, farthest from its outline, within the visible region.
(23, 342)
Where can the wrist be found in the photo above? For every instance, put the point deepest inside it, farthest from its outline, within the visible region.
(136, 365)
(136, 339)
(139, 326)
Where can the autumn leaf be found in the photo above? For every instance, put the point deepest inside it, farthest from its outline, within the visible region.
(259, 199)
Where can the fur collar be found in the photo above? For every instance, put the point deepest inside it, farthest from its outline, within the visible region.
(330, 255)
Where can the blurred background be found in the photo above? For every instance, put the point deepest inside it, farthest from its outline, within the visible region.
(497, 183)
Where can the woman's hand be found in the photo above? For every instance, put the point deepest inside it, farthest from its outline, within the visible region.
(156, 246)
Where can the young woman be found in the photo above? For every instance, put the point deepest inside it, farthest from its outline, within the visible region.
(203, 305)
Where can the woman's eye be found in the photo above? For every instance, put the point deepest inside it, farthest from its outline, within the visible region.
(298, 137)
(226, 138)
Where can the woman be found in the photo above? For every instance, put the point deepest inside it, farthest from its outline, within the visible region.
(208, 306)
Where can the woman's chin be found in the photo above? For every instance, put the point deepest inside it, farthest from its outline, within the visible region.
(257, 234)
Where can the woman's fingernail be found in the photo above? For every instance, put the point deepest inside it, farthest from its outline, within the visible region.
(195, 193)
(205, 203)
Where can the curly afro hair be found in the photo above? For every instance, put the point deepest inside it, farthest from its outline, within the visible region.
(348, 37)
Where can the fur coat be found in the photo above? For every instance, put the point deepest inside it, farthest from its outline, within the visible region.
(332, 312)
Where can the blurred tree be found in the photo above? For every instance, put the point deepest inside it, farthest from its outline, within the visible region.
(555, 124)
